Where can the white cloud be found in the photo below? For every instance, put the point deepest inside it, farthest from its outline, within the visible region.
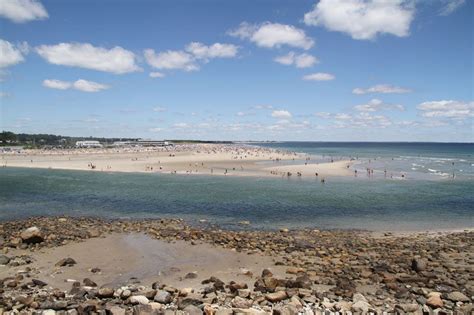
(159, 109)
(375, 105)
(171, 59)
(89, 86)
(4, 95)
(363, 19)
(181, 125)
(381, 88)
(447, 109)
(342, 116)
(263, 107)
(320, 76)
(116, 60)
(217, 50)
(270, 35)
(20, 11)
(450, 6)
(281, 114)
(300, 61)
(57, 84)
(324, 115)
(157, 74)
(11, 54)
(155, 129)
(81, 85)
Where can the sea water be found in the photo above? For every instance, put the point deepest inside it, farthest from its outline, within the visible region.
(422, 201)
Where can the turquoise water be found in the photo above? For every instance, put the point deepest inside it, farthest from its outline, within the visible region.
(268, 203)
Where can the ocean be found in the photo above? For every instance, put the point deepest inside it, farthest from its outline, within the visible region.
(428, 198)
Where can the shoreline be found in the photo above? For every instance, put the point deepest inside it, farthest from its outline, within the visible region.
(225, 160)
(70, 264)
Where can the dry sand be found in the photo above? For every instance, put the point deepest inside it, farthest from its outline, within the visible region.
(202, 159)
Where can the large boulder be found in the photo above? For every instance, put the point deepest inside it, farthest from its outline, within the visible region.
(32, 235)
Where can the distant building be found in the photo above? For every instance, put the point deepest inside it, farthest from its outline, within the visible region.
(88, 144)
(142, 143)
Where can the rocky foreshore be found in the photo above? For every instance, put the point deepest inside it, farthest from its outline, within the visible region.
(325, 271)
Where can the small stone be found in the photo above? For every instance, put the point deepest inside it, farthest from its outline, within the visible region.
(139, 299)
(276, 297)
(32, 235)
(192, 310)
(106, 292)
(4, 260)
(163, 297)
(191, 275)
(116, 310)
(294, 270)
(418, 264)
(407, 308)
(434, 300)
(457, 296)
(89, 283)
(361, 307)
(66, 262)
(240, 302)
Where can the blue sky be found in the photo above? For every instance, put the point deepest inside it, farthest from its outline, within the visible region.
(363, 70)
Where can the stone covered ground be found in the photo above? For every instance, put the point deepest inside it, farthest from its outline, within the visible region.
(412, 274)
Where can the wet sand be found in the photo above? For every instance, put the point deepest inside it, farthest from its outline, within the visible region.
(122, 257)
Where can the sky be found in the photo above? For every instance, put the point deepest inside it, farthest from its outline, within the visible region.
(306, 70)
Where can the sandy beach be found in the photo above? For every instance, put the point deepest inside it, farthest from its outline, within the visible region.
(204, 159)
(83, 265)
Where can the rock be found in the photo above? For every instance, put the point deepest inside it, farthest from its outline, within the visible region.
(89, 283)
(266, 273)
(32, 235)
(183, 303)
(191, 275)
(407, 308)
(361, 307)
(106, 292)
(434, 300)
(239, 302)
(418, 264)
(358, 297)
(4, 260)
(192, 310)
(66, 262)
(39, 283)
(276, 297)
(48, 312)
(457, 296)
(163, 297)
(139, 299)
(294, 270)
(116, 310)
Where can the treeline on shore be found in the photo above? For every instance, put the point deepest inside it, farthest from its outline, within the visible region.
(8, 138)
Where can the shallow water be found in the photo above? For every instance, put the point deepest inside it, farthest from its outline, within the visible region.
(427, 161)
(346, 203)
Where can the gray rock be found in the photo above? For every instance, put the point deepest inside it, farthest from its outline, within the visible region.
(4, 260)
(163, 297)
(457, 296)
(192, 310)
(240, 302)
(419, 264)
